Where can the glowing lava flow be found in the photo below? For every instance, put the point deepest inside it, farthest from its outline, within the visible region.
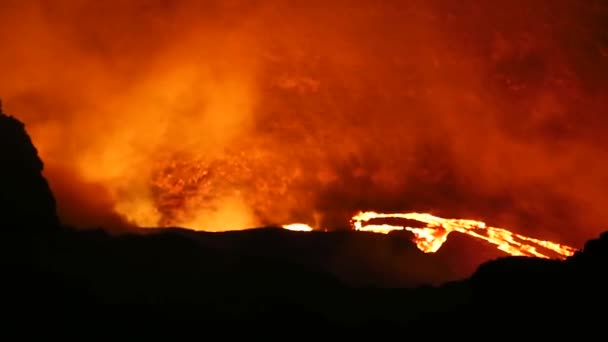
(298, 227)
(430, 238)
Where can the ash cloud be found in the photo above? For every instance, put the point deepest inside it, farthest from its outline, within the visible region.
(489, 110)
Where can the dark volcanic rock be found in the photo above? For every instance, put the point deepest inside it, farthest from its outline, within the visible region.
(597, 248)
(26, 199)
(358, 259)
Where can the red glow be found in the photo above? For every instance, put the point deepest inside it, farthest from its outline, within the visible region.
(228, 114)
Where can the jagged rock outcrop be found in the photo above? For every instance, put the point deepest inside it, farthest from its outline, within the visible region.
(26, 200)
(596, 249)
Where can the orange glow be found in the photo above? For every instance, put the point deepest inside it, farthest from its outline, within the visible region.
(220, 115)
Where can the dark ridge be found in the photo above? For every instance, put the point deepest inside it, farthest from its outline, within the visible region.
(267, 278)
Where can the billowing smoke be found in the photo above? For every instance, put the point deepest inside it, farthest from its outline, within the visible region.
(228, 114)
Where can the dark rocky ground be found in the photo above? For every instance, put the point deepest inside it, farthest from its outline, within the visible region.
(267, 276)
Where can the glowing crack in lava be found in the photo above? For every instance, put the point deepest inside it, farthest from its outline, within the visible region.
(430, 238)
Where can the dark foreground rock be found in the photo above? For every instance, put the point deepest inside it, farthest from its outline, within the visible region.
(168, 278)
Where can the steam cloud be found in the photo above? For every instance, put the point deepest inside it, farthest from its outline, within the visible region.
(239, 113)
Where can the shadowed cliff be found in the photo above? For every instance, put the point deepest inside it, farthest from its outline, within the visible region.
(25, 196)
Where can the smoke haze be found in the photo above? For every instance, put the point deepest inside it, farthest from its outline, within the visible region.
(230, 114)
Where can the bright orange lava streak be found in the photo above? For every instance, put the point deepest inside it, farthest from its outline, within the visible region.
(298, 227)
(430, 238)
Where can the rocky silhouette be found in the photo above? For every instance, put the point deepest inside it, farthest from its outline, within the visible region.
(26, 199)
(174, 276)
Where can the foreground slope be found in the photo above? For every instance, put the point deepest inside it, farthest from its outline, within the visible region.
(358, 259)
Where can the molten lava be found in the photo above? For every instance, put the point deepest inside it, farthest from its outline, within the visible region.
(298, 227)
(430, 238)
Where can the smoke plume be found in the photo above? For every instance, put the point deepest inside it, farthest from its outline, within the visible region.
(229, 114)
